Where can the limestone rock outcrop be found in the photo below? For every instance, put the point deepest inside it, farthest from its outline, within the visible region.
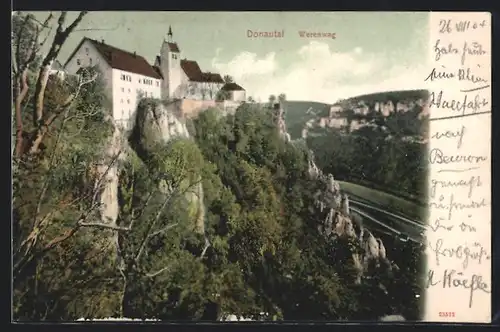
(279, 115)
(334, 205)
(154, 125)
(157, 125)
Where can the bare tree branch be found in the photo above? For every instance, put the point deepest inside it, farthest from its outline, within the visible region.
(44, 24)
(43, 75)
(154, 274)
(45, 185)
(148, 236)
(31, 255)
(155, 220)
(163, 230)
(97, 29)
(207, 245)
(107, 226)
(42, 128)
(20, 70)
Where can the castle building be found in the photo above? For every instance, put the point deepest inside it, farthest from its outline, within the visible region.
(128, 76)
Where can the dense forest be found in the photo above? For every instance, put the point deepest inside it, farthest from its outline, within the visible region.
(266, 254)
(387, 154)
(260, 254)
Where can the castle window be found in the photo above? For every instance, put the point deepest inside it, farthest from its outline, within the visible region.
(174, 56)
(123, 90)
(157, 83)
(90, 61)
(87, 50)
(121, 101)
(128, 90)
(78, 62)
(128, 101)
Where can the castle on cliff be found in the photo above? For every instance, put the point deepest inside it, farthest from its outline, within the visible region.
(129, 77)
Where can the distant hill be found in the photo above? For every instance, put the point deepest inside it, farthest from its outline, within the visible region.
(393, 96)
(296, 114)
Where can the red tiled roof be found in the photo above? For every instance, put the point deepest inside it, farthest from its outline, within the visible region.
(120, 59)
(212, 77)
(192, 70)
(232, 87)
(173, 47)
(158, 71)
(194, 73)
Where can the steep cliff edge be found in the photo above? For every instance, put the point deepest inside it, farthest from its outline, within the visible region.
(333, 206)
(153, 125)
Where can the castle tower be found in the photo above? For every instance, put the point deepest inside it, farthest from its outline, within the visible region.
(170, 35)
(170, 59)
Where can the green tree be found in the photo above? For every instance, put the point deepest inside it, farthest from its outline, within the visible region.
(282, 98)
(272, 100)
(56, 195)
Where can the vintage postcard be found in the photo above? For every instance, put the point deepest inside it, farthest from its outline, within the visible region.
(251, 166)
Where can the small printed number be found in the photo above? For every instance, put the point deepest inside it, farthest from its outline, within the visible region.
(446, 314)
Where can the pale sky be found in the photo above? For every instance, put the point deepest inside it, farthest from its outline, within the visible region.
(372, 52)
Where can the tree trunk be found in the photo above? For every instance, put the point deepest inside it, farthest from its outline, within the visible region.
(40, 134)
(20, 92)
(43, 76)
(41, 85)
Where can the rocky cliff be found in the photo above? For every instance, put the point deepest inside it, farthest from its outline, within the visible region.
(338, 221)
(153, 125)
(356, 112)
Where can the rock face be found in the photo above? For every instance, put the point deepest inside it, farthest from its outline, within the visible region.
(107, 177)
(383, 104)
(279, 116)
(338, 220)
(156, 125)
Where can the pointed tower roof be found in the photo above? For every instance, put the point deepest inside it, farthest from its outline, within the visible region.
(172, 47)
